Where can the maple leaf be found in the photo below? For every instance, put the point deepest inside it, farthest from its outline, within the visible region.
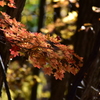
(59, 75)
(14, 53)
(11, 5)
(58, 38)
(6, 16)
(74, 71)
(47, 70)
(2, 3)
(15, 48)
(68, 68)
(38, 66)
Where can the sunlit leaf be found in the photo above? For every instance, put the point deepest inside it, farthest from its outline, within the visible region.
(96, 9)
(2, 3)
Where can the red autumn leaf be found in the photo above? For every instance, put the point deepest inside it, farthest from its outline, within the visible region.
(58, 38)
(38, 66)
(15, 48)
(47, 70)
(11, 5)
(14, 53)
(2, 3)
(68, 68)
(59, 75)
(74, 70)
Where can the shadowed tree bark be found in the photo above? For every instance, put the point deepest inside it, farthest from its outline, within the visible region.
(16, 12)
(40, 25)
(4, 45)
(4, 53)
(58, 87)
(41, 14)
(87, 43)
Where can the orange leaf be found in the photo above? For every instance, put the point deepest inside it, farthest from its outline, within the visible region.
(14, 53)
(11, 5)
(48, 70)
(59, 75)
(2, 3)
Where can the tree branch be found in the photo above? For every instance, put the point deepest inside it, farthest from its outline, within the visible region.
(4, 78)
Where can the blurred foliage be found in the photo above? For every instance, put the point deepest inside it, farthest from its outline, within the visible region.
(43, 87)
(21, 79)
(30, 14)
(65, 24)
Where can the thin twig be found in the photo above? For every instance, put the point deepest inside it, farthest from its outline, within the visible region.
(4, 79)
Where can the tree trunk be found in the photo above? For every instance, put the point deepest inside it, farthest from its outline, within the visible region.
(4, 45)
(4, 53)
(40, 25)
(87, 45)
(58, 87)
(41, 15)
(16, 12)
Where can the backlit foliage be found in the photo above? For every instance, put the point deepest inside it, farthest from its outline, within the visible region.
(64, 23)
(9, 3)
(43, 51)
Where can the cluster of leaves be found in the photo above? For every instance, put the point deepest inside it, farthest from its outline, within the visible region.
(9, 3)
(43, 51)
